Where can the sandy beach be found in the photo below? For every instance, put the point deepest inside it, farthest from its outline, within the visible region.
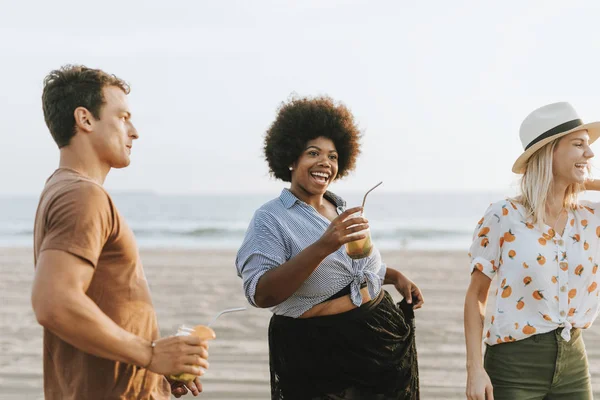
(191, 286)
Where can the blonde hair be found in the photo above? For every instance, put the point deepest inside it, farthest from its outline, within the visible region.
(537, 182)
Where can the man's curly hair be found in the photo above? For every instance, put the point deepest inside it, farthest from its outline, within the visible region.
(303, 119)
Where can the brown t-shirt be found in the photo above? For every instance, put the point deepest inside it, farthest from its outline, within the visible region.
(77, 215)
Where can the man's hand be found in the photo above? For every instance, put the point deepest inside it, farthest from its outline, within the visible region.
(179, 389)
(177, 354)
(409, 291)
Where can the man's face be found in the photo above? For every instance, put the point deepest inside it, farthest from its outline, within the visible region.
(113, 134)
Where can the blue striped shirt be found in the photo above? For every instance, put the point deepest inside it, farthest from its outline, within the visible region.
(282, 228)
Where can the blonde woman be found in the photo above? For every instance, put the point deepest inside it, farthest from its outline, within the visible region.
(542, 249)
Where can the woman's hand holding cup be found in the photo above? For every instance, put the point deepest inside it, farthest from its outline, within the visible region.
(343, 229)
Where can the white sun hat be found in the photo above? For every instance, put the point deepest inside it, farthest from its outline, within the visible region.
(546, 124)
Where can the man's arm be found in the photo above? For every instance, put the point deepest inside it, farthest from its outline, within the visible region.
(61, 305)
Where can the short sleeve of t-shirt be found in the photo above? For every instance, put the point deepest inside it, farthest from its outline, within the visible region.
(79, 220)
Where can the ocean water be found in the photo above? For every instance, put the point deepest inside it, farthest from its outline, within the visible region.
(424, 221)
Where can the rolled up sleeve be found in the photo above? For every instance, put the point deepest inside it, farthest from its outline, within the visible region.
(263, 249)
(485, 249)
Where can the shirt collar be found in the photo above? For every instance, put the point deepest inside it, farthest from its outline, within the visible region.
(288, 199)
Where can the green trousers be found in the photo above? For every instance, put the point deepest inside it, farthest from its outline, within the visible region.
(541, 367)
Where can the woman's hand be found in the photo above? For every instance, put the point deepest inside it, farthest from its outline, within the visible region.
(479, 386)
(278, 284)
(592, 184)
(409, 290)
(338, 233)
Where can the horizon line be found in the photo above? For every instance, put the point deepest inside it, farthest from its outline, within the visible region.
(260, 193)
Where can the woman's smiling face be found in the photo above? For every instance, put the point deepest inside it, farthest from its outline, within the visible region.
(316, 167)
(571, 156)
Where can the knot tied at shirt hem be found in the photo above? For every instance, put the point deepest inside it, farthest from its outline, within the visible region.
(373, 285)
(566, 332)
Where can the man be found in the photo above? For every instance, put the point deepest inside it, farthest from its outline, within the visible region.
(89, 292)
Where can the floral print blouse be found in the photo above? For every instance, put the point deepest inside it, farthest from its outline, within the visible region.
(545, 280)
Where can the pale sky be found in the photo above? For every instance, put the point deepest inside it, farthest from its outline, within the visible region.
(439, 87)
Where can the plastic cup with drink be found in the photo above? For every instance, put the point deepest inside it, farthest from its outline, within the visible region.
(362, 247)
(204, 332)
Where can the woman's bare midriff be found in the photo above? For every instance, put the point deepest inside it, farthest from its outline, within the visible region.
(336, 306)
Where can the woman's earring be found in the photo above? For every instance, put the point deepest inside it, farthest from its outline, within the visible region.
(291, 168)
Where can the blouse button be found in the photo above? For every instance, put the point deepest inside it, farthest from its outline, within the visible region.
(564, 265)
(563, 289)
(562, 313)
(561, 242)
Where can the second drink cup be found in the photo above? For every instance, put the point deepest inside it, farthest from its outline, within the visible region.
(204, 333)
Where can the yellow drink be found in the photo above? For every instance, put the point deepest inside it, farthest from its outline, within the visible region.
(360, 248)
(204, 333)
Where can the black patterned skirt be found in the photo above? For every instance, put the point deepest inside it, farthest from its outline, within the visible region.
(366, 353)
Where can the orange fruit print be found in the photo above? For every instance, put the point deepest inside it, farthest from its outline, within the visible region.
(520, 304)
(541, 259)
(528, 329)
(546, 317)
(484, 231)
(589, 209)
(509, 237)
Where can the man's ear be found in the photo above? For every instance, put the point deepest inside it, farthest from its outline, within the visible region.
(83, 119)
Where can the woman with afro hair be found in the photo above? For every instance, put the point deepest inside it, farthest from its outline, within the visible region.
(334, 333)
